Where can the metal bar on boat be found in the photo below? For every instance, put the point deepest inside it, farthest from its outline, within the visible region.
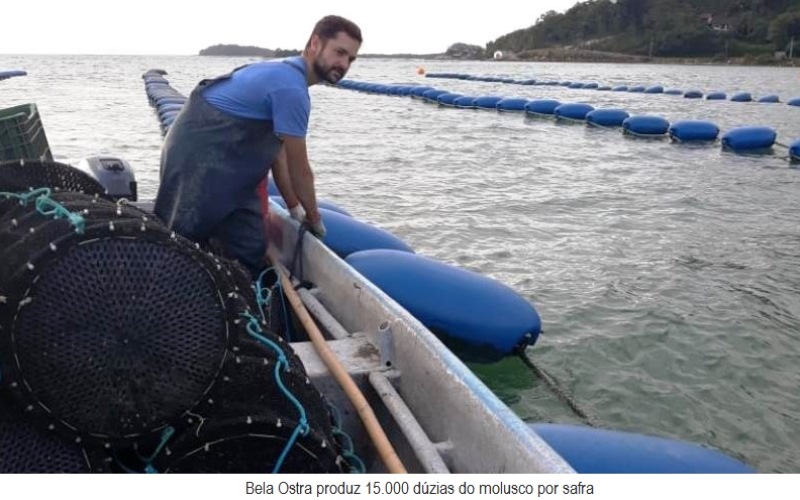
(424, 449)
(322, 315)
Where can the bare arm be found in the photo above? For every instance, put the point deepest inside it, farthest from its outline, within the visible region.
(280, 172)
(301, 176)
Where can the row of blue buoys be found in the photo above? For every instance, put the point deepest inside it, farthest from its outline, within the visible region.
(8, 73)
(741, 139)
(166, 100)
(652, 89)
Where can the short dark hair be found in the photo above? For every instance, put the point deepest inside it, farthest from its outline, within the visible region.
(329, 26)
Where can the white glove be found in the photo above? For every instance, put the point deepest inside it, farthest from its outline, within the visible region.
(298, 213)
(317, 229)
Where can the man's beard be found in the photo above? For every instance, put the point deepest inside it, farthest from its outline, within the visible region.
(325, 74)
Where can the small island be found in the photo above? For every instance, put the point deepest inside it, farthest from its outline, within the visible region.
(231, 50)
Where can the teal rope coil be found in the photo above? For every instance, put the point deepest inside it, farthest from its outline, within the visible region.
(48, 206)
(254, 330)
(263, 294)
(166, 435)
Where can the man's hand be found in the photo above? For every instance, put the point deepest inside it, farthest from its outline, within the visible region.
(298, 213)
(317, 228)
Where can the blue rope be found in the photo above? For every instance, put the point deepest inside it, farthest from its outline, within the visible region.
(302, 428)
(348, 450)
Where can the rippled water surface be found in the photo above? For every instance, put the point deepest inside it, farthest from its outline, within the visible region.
(667, 276)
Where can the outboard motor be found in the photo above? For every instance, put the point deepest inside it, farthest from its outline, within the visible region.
(115, 174)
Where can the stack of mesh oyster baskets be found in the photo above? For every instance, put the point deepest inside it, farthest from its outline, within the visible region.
(127, 348)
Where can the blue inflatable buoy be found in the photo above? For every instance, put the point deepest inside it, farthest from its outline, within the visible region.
(604, 87)
(716, 96)
(464, 102)
(575, 85)
(693, 94)
(461, 305)
(608, 117)
(741, 97)
(645, 125)
(166, 108)
(620, 88)
(512, 104)
(542, 106)
(598, 451)
(772, 98)
(487, 102)
(794, 101)
(591, 85)
(346, 235)
(169, 100)
(448, 99)
(749, 139)
(673, 92)
(655, 89)
(327, 205)
(693, 130)
(419, 91)
(433, 94)
(637, 88)
(794, 151)
(573, 110)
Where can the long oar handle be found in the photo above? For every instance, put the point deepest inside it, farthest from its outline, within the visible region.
(382, 444)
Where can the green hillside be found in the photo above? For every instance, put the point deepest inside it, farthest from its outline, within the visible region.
(754, 29)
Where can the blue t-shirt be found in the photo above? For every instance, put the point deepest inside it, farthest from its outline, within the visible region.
(271, 90)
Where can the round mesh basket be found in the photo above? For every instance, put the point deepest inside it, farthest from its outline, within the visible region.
(23, 175)
(114, 333)
(130, 340)
(25, 449)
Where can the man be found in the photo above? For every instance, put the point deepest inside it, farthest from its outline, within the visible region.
(229, 133)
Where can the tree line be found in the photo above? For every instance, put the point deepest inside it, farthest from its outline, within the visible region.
(664, 28)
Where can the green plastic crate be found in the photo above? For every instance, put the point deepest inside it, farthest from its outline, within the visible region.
(22, 134)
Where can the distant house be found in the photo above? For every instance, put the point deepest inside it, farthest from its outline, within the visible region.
(716, 23)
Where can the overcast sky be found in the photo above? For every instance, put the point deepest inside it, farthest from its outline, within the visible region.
(172, 27)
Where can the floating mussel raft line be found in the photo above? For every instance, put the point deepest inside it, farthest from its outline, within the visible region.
(166, 101)
(652, 89)
(10, 73)
(739, 140)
